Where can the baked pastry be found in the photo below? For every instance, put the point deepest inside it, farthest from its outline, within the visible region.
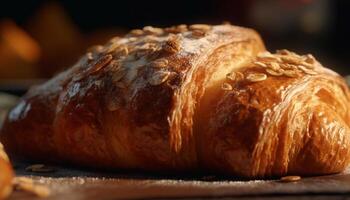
(188, 98)
(6, 174)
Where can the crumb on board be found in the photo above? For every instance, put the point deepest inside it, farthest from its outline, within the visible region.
(290, 178)
(41, 168)
(28, 185)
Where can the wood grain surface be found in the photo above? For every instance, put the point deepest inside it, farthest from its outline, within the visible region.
(69, 183)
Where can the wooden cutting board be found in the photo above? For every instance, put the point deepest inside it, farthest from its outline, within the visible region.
(70, 183)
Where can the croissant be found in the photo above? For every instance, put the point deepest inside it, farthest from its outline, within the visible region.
(188, 98)
(6, 174)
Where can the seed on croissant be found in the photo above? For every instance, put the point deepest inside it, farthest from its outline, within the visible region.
(177, 29)
(114, 65)
(261, 64)
(199, 30)
(121, 51)
(101, 63)
(310, 59)
(291, 60)
(159, 63)
(308, 65)
(290, 73)
(159, 77)
(203, 27)
(136, 32)
(114, 39)
(283, 52)
(96, 49)
(274, 73)
(141, 53)
(153, 30)
(226, 86)
(267, 56)
(239, 76)
(231, 76)
(112, 47)
(290, 178)
(256, 77)
(182, 27)
(306, 71)
(89, 56)
(287, 66)
(198, 33)
(274, 66)
(172, 45)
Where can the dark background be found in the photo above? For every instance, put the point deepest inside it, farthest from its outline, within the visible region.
(320, 27)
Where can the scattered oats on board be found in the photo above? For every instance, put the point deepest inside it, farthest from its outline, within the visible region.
(290, 178)
(40, 168)
(28, 185)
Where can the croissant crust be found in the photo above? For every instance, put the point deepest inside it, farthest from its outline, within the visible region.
(185, 98)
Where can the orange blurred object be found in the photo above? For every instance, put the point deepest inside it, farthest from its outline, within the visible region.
(59, 38)
(19, 52)
(20, 41)
(49, 42)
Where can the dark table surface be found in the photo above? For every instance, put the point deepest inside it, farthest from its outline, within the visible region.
(70, 183)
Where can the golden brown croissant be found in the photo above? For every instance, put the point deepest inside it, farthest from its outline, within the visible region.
(188, 98)
(6, 174)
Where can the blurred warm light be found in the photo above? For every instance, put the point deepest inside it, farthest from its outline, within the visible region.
(287, 16)
(47, 43)
(19, 53)
(59, 38)
(19, 41)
